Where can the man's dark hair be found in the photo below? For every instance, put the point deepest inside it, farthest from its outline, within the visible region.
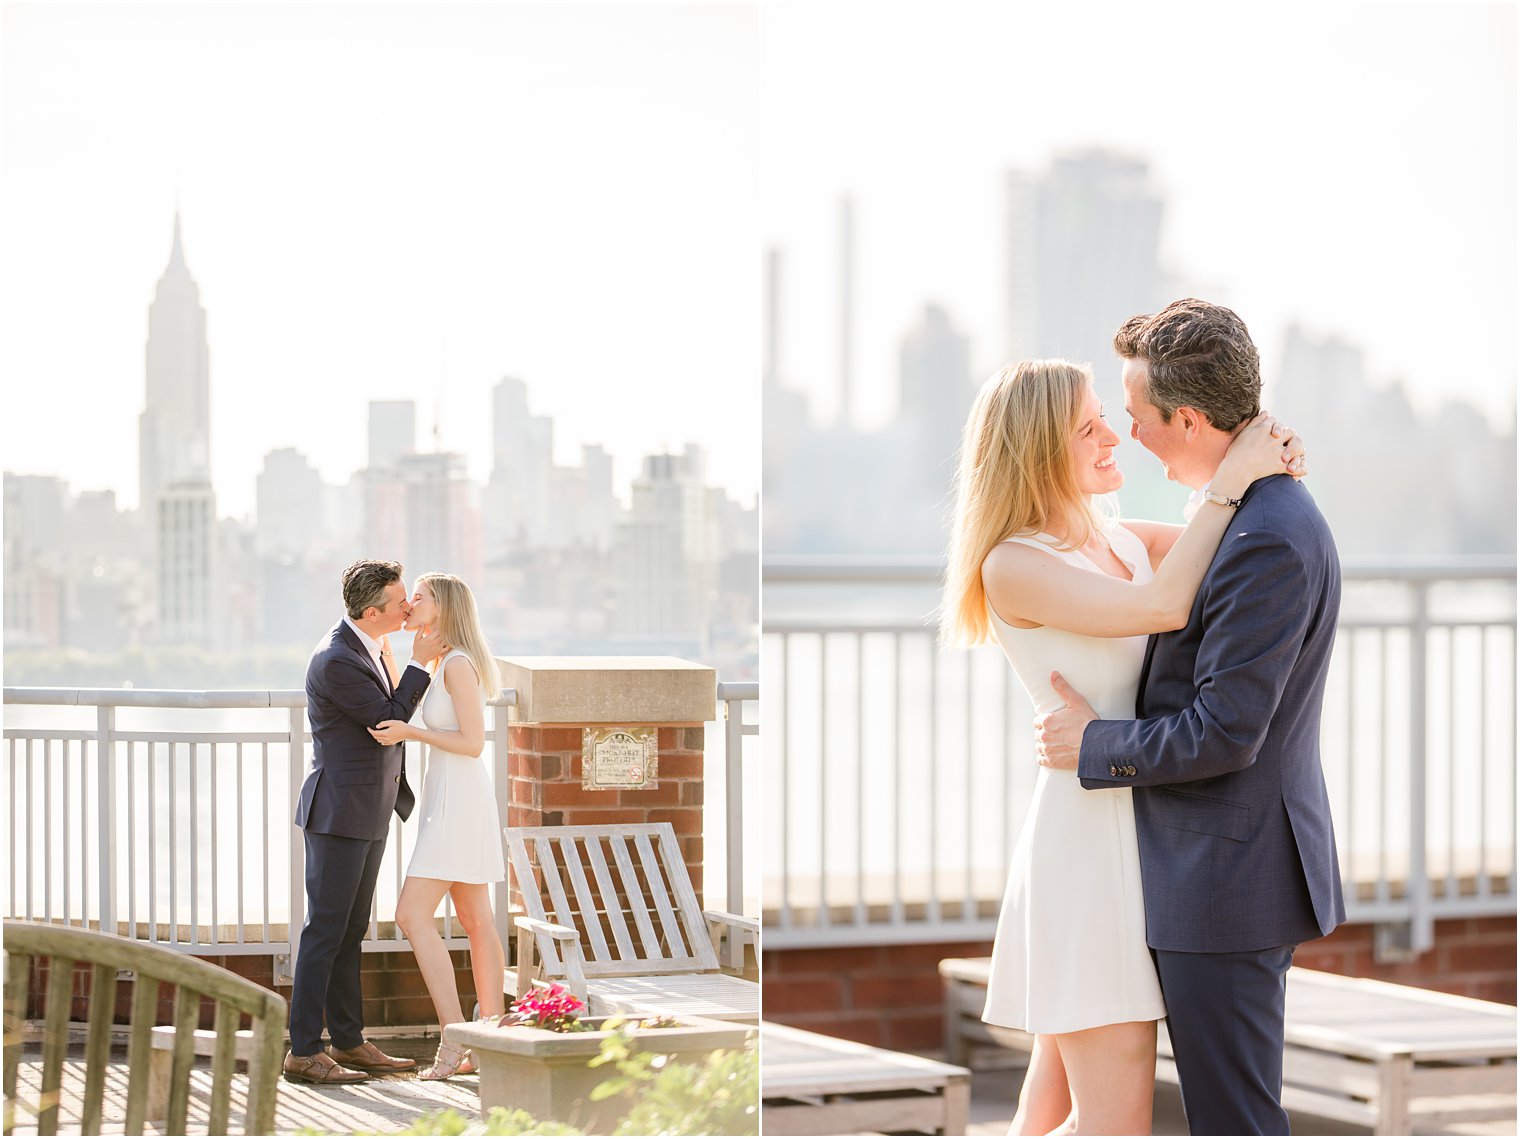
(365, 583)
(1198, 355)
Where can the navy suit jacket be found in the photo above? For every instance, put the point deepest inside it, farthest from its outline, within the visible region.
(1237, 852)
(354, 782)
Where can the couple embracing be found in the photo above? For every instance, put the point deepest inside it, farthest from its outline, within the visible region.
(1179, 845)
(360, 704)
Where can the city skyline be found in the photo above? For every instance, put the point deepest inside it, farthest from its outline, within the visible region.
(1082, 253)
(358, 239)
(1331, 193)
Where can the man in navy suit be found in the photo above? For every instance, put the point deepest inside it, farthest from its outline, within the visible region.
(345, 810)
(1237, 854)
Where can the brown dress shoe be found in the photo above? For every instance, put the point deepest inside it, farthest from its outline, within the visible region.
(319, 1069)
(368, 1058)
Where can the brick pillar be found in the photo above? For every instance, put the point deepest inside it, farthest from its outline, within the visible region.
(558, 698)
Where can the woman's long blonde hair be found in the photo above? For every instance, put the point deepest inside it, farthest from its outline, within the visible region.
(1014, 476)
(459, 622)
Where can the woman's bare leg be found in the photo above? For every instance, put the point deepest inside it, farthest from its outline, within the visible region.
(1044, 1100)
(1111, 1072)
(415, 910)
(488, 961)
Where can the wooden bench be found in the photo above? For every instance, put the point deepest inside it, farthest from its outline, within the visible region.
(1394, 1058)
(821, 1085)
(64, 947)
(618, 922)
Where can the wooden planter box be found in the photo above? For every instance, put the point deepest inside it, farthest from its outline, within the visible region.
(545, 1073)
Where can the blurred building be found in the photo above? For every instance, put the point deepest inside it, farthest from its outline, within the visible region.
(34, 581)
(934, 378)
(667, 553)
(35, 508)
(1082, 255)
(288, 504)
(522, 461)
(187, 564)
(392, 431)
(582, 507)
(1391, 479)
(440, 516)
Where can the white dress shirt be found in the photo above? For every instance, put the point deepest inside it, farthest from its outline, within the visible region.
(371, 646)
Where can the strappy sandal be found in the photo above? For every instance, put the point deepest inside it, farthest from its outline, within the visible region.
(451, 1060)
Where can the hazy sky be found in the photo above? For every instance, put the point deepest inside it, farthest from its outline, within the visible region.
(1349, 166)
(382, 202)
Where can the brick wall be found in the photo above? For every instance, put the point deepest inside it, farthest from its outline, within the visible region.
(1473, 957)
(890, 995)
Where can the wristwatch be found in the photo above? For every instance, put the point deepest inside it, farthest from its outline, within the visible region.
(1221, 499)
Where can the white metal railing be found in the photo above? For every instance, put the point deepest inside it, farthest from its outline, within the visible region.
(167, 815)
(733, 695)
(898, 775)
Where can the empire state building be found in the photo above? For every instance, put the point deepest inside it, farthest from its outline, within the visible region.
(174, 431)
(174, 463)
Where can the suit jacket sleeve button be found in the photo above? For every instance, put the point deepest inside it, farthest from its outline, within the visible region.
(398, 779)
(1112, 770)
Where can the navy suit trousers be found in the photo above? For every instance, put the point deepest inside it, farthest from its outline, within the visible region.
(1224, 1013)
(340, 885)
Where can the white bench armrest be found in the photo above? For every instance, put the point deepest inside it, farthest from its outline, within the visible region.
(547, 928)
(722, 918)
(571, 957)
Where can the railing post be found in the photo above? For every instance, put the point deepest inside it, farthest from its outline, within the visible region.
(501, 781)
(105, 783)
(1421, 924)
(1406, 940)
(733, 776)
(732, 697)
(285, 965)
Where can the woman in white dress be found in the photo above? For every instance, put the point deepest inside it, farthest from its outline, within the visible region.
(1036, 565)
(458, 850)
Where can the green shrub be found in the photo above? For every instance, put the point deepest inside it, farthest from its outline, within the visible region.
(720, 1096)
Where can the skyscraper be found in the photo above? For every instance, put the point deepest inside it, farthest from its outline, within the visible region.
(174, 462)
(174, 429)
(1082, 255)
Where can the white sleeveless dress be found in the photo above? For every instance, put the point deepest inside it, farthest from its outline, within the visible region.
(1070, 950)
(458, 831)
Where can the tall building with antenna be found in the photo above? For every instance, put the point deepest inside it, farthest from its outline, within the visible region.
(174, 429)
(175, 496)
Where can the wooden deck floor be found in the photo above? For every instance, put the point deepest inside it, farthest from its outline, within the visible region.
(382, 1105)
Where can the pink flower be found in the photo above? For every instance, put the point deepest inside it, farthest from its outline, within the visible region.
(554, 1008)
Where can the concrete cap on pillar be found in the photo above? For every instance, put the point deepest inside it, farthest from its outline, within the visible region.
(610, 690)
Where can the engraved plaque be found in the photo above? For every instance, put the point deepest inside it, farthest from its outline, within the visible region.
(619, 758)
